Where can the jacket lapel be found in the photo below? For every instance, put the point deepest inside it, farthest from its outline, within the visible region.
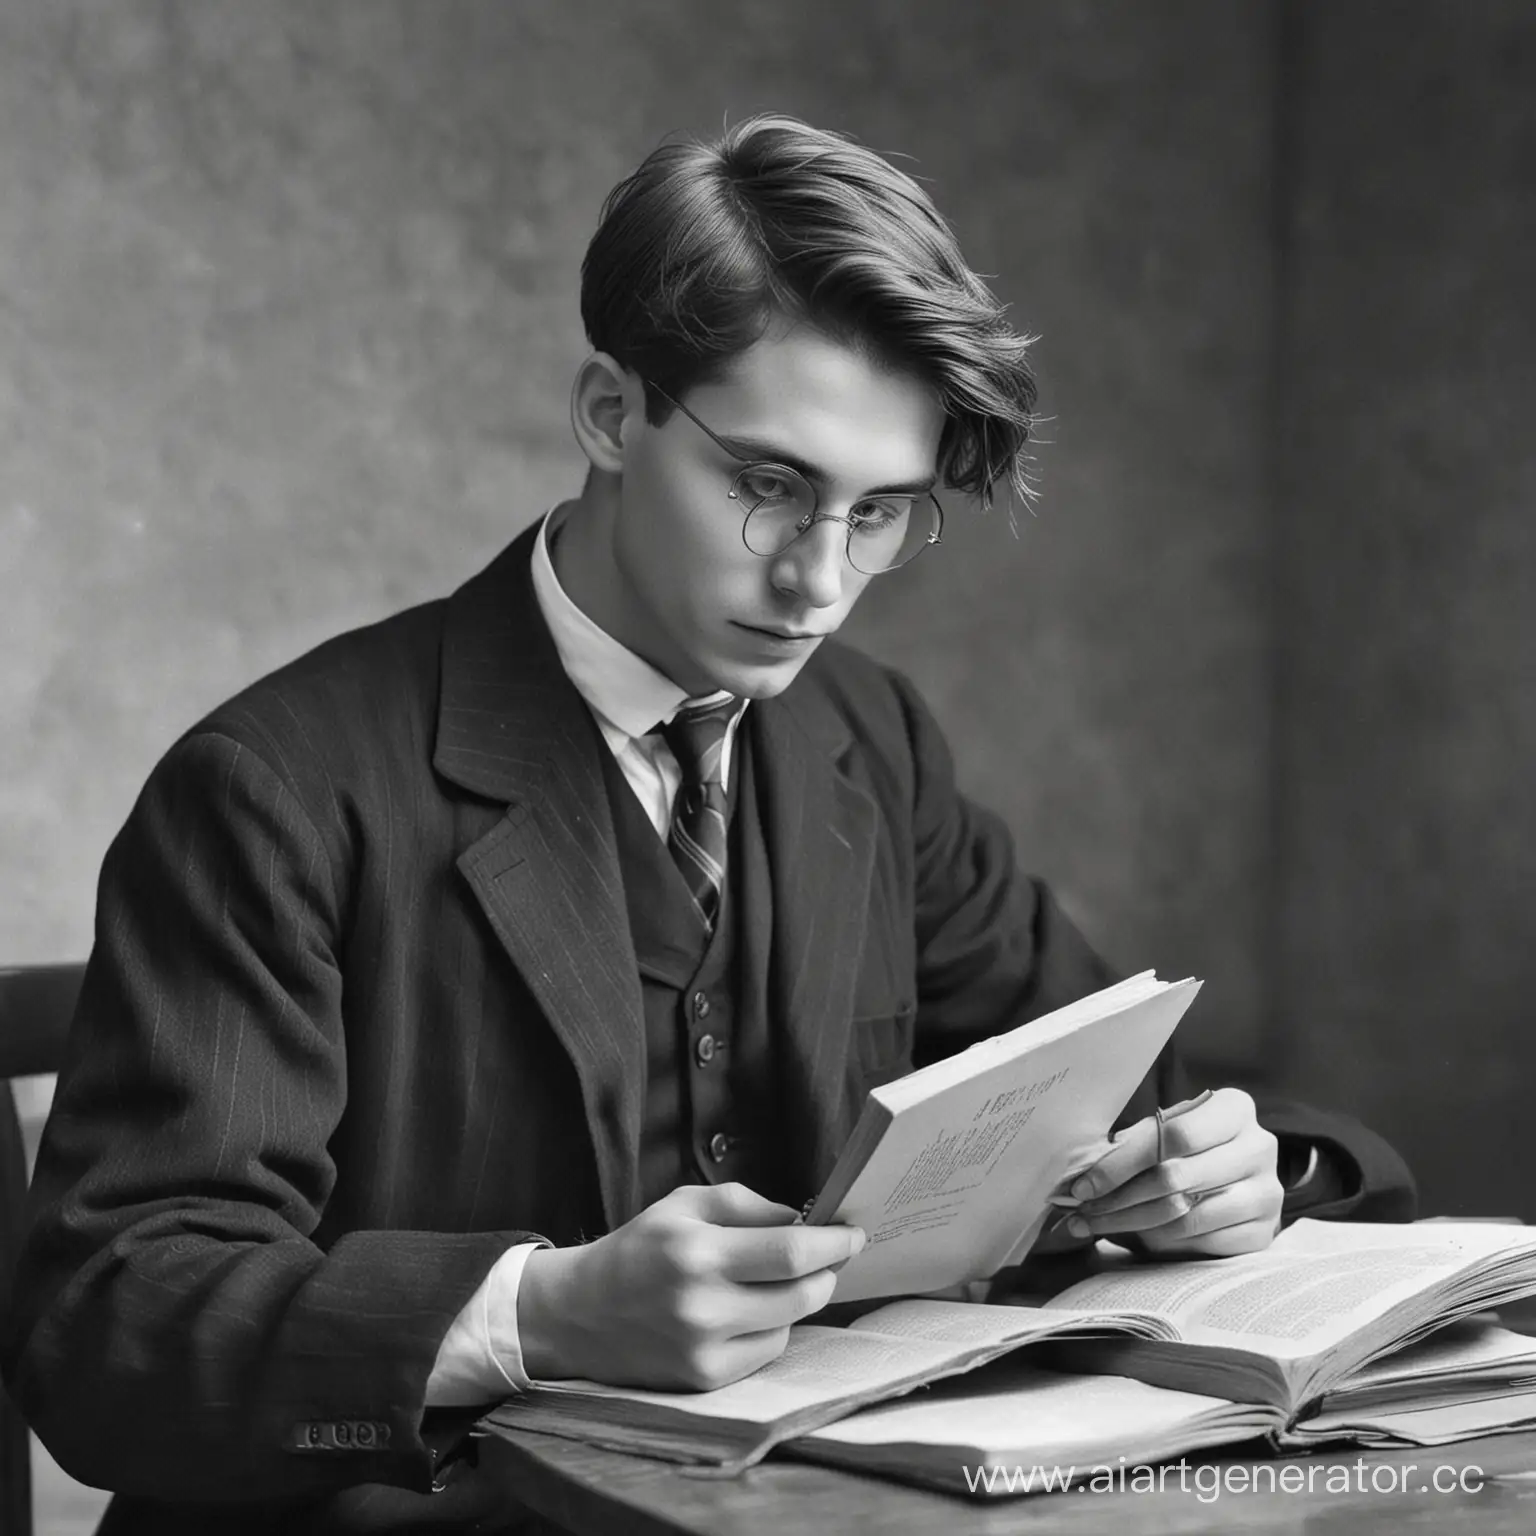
(512, 727)
(820, 833)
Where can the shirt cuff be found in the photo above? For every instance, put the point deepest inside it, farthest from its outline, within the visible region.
(481, 1358)
(1307, 1174)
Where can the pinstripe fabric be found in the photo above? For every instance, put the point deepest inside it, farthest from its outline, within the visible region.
(697, 838)
(363, 1010)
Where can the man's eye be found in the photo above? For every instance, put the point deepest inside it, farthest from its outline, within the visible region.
(759, 485)
(882, 513)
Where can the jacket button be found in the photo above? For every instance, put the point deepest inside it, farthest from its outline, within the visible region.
(701, 1005)
(705, 1050)
(719, 1146)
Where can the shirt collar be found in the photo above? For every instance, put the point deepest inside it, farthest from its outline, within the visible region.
(620, 687)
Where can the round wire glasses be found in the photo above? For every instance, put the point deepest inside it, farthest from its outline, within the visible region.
(884, 532)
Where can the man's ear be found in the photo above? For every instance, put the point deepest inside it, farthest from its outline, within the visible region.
(603, 398)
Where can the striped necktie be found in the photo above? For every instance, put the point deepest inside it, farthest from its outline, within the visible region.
(696, 735)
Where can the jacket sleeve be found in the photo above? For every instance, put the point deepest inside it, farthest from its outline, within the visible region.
(176, 1330)
(994, 947)
(1358, 1176)
(995, 950)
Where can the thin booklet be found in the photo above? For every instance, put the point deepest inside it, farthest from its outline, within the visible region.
(950, 1170)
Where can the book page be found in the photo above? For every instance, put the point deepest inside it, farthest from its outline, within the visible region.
(968, 1322)
(1317, 1284)
(822, 1370)
(1069, 1418)
(1439, 1424)
(962, 1174)
(948, 1070)
(1464, 1351)
(819, 1365)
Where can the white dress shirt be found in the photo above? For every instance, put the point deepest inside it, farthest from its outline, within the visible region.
(481, 1357)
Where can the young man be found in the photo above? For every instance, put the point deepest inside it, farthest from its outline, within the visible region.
(479, 996)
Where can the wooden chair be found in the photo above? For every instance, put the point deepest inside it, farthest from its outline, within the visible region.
(36, 1002)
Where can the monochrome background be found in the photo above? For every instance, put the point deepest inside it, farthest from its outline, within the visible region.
(288, 322)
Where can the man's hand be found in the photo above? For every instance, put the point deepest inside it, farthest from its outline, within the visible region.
(1215, 1193)
(697, 1290)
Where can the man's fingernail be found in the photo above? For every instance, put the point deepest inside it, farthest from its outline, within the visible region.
(1083, 1190)
(1077, 1226)
(859, 1239)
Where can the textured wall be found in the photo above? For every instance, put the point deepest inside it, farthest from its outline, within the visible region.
(1408, 708)
(288, 297)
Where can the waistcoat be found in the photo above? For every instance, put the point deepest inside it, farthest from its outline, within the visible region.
(710, 1092)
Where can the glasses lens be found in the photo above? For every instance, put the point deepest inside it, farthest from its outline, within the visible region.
(882, 534)
(889, 531)
(780, 505)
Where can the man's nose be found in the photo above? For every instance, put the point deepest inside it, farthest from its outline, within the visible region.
(815, 566)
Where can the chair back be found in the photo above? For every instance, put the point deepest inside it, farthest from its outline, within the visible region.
(36, 1004)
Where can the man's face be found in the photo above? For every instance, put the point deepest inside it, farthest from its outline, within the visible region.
(696, 602)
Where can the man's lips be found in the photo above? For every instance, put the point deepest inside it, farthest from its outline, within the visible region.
(784, 634)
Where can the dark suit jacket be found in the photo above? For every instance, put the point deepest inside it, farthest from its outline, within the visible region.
(362, 1011)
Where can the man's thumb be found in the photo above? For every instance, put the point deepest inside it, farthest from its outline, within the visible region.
(734, 1205)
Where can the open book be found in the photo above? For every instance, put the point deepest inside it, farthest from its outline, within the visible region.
(823, 1374)
(950, 1169)
(1272, 1344)
(1015, 1427)
(1298, 1326)
(1286, 1334)
(1471, 1378)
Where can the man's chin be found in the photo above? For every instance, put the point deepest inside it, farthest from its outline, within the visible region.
(760, 679)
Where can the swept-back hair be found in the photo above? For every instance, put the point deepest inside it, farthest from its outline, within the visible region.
(704, 245)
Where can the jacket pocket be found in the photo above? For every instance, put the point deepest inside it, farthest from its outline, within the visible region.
(880, 1043)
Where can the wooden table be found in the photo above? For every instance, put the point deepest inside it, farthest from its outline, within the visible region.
(602, 1493)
